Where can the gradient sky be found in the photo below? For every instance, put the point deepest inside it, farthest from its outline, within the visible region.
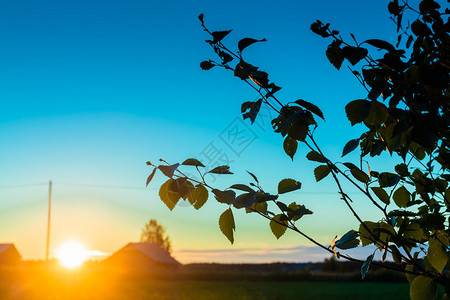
(91, 90)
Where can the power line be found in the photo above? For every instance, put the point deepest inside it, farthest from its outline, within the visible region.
(21, 185)
(76, 184)
(130, 187)
(125, 187)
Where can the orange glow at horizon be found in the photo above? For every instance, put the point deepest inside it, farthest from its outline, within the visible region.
(72, 254)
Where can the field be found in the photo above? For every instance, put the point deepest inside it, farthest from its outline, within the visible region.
(207, 290)
(265, 290)
(39, 283)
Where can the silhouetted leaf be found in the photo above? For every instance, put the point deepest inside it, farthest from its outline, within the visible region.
(290, 147)
(254, 177)
(420, 29)
(399, 39)
(226, 224)
(350, 146)
(409, 41)
(388, 179)
(393, 7)
(278, 229)
(319, 28)
(242, 187)
(298, 131)
(436, 254)
(357, 111)
(198, 196)
(167, 196)
(401, 197)
(354, 54)
(402, 169)
(359, 175)
(282, 207)
(410, 276)
(244, 200)
(259, 207)
(366, 265)
(245, 42)
(311, 107)
(315, 156)
(219, 35)
(246, 106)
(423, 288)
(334, 54)
(288, 185)
(353, 38)
(221, 170)
(375, 92)
(151, 176)
(396, 255)
(168, 170)
(260, 78)
(206, 65)
(380, 44)
(297, 211)
(381, 194)
(192, 162)
(427, 6)
(227, 196)
(243, 70)
(399, 21)
(254, 110)
(263, 197)
(378, 113)
(365, 234)
(182, 186)
(350, 166)
(226, 58)
(200, 17)
(348, 240)
(321, 172)
(273, 89)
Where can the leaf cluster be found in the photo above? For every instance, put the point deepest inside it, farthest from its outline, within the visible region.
(405, 114)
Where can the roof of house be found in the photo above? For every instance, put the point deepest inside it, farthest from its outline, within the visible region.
(153, 251)
(5, 247)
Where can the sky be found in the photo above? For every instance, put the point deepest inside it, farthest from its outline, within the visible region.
(91, 90)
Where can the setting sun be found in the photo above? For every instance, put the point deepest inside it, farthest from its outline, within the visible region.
(72, 254)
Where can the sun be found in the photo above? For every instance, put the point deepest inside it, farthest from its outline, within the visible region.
(72, 254)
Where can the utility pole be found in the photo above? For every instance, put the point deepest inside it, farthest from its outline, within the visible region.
(48, 221)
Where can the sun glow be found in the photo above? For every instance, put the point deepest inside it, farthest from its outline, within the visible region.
(72, 254)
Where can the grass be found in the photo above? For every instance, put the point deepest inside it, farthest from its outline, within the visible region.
(187, 290)
(207, 290)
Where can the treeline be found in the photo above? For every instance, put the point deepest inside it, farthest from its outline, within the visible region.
(330, 270)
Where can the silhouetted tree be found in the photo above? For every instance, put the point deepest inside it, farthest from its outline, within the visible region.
(405, 113)
(155, 233)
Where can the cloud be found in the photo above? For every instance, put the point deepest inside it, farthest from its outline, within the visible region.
(264, 255)
(92, 253)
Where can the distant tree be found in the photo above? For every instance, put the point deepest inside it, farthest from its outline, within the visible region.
(330, 265)
(405, 115)
(155, 233)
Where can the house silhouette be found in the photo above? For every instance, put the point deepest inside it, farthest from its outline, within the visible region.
(141, 256)
(9, 255)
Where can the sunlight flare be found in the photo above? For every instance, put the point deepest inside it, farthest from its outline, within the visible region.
(72, 254)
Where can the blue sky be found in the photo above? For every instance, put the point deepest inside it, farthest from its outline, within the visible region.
(91, 90)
